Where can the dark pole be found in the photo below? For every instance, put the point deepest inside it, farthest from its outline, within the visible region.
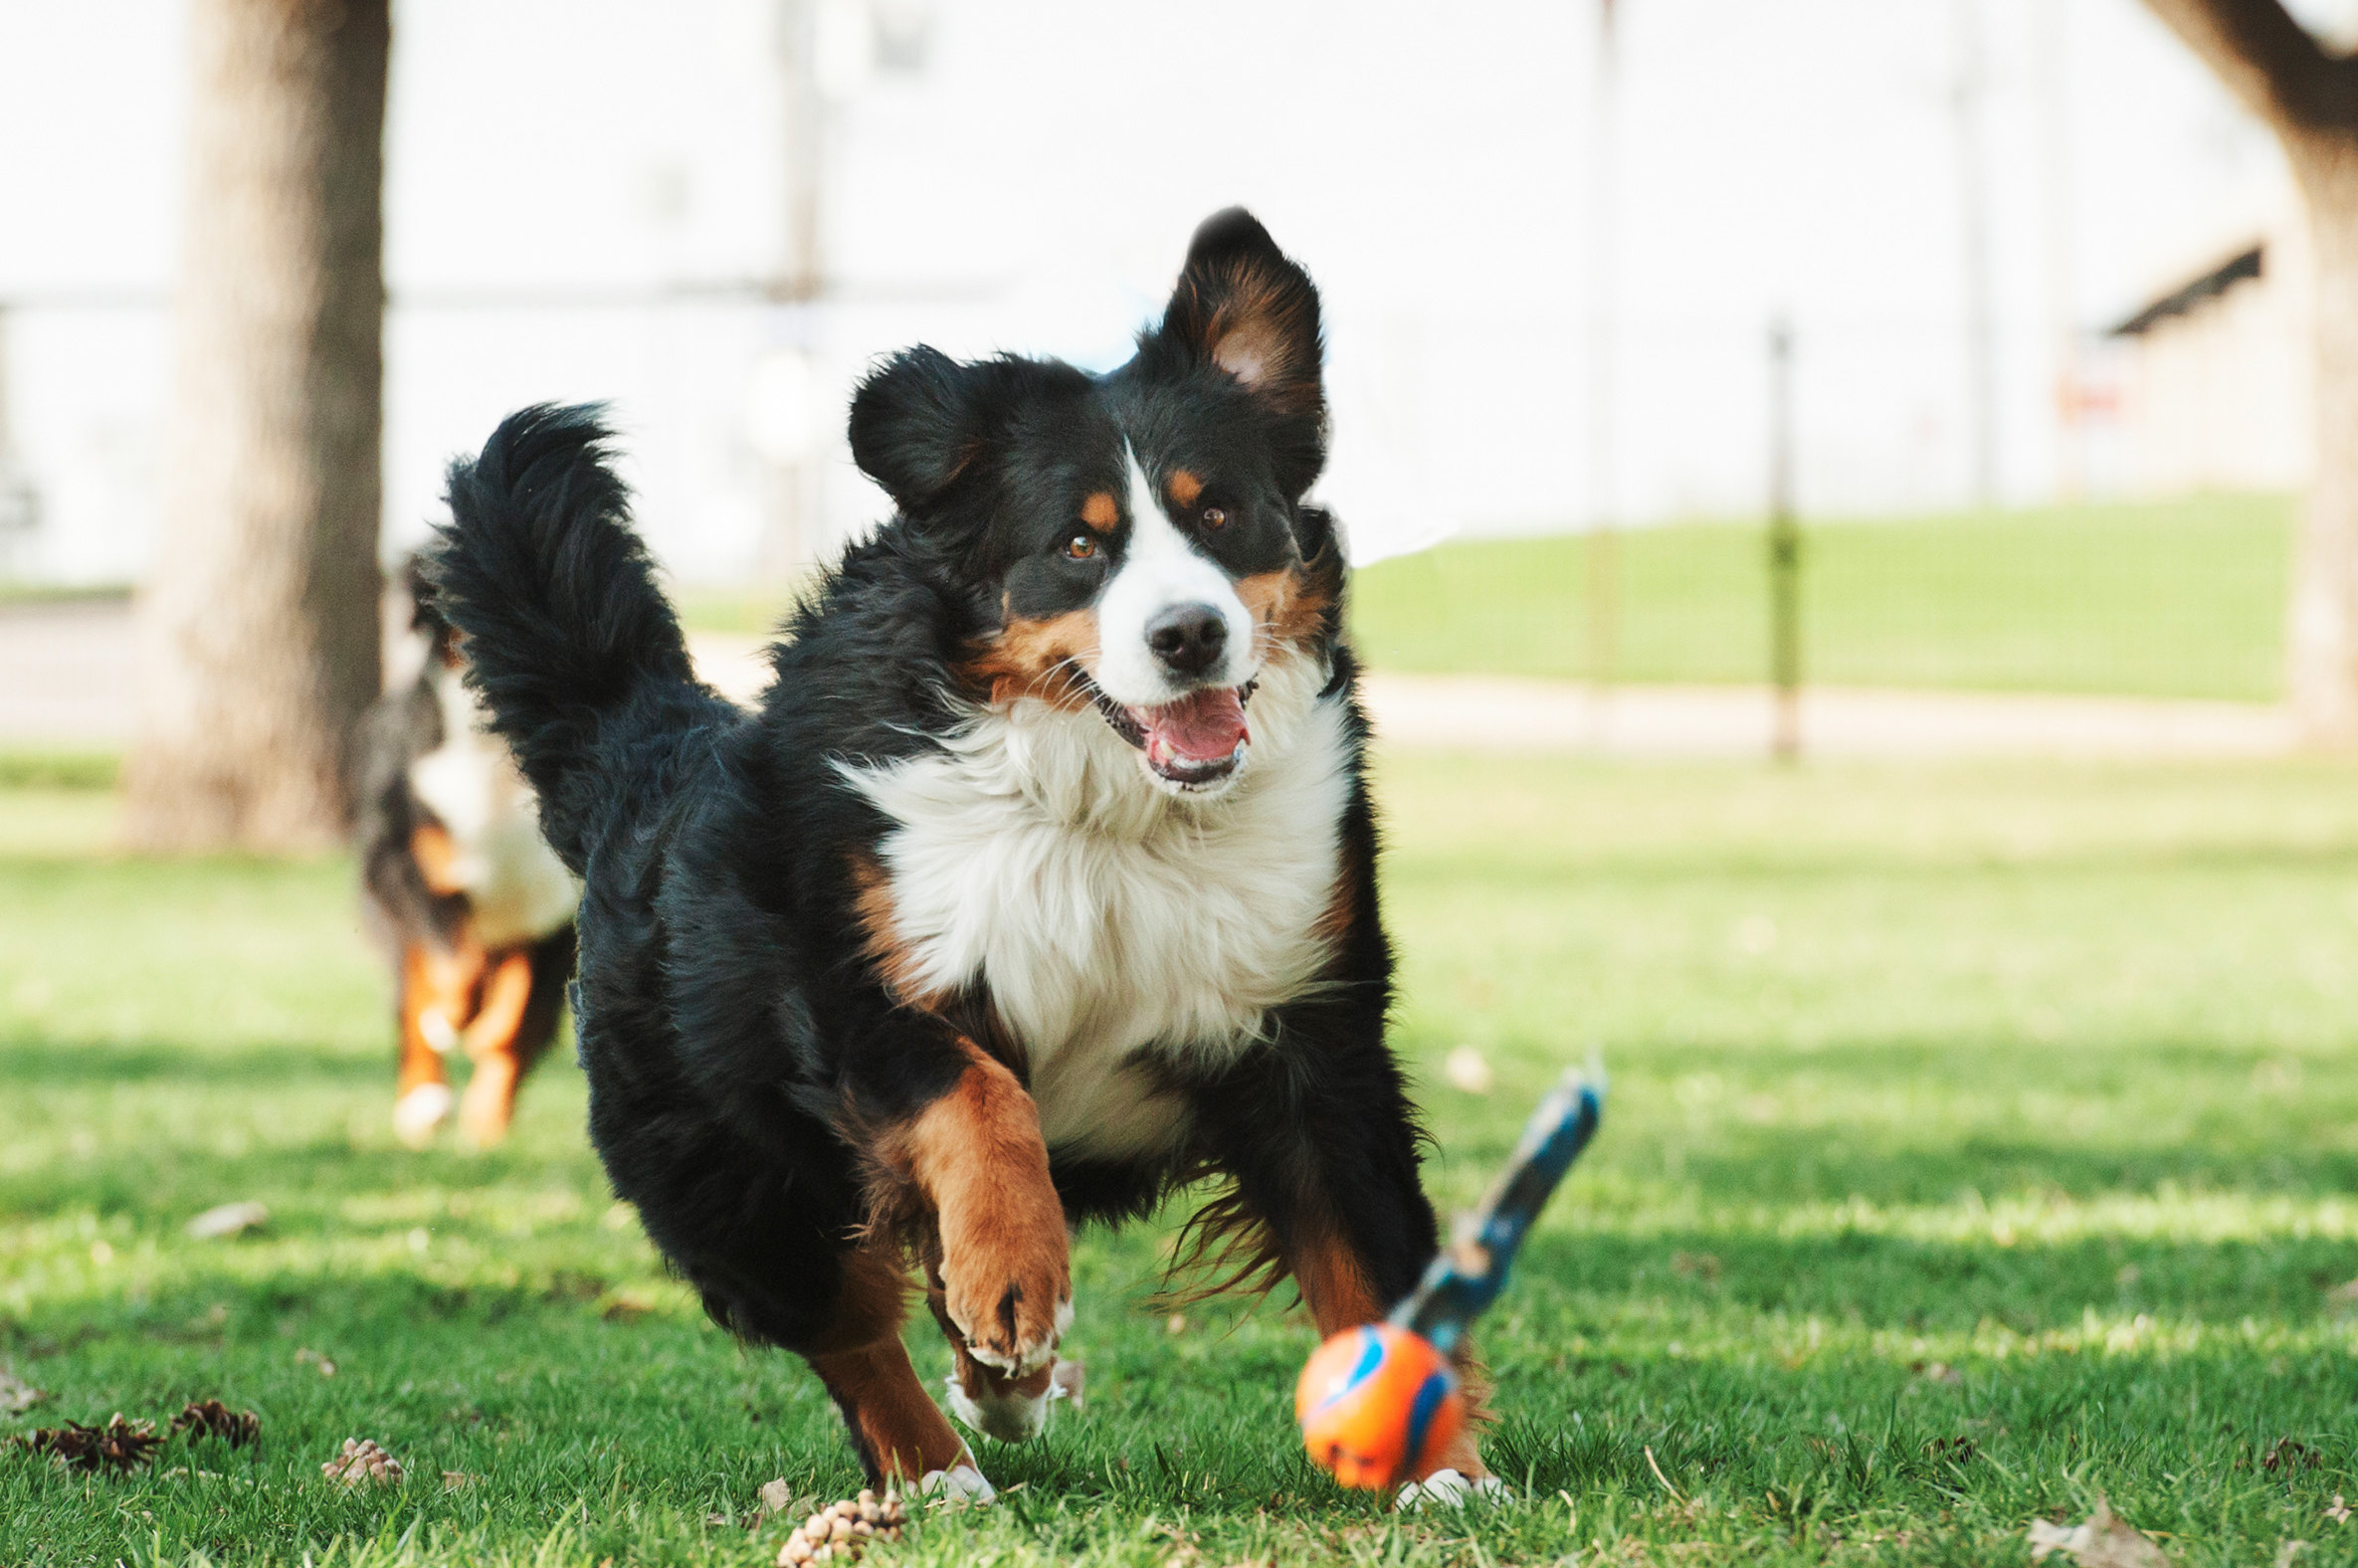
(1784, 550)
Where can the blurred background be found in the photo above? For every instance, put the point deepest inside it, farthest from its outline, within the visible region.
(2043, 288)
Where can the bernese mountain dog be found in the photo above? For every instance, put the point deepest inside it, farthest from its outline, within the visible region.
(1042, 882)
(470, 903)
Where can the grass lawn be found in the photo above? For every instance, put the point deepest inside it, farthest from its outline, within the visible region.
(2158, 599)
(1984, 1140)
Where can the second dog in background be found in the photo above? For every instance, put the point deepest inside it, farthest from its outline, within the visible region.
(476, 909)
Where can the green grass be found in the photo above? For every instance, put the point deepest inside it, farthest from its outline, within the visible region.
(2041, 1076)
(2159, 599)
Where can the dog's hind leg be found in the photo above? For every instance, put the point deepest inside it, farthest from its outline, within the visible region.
(901, 1436)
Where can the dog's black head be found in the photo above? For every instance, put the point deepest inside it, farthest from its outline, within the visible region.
(1138, 539)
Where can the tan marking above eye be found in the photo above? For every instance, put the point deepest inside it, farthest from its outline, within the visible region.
(1185, 488)
(1100, 512)
(1080, 547)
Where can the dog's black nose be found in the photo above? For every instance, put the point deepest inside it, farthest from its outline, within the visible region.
(1188, 638)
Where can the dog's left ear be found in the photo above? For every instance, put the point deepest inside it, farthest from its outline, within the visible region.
(1242, 304)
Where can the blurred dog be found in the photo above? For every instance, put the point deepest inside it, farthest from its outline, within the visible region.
(475, 911)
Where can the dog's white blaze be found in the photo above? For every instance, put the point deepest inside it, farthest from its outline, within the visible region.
(1110, 918)
(517, 888)
(1160, 568)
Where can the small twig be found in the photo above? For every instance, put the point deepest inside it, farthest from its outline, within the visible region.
(1652, 1464)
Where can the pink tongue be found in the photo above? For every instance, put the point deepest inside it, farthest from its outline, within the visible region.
(1202, 727)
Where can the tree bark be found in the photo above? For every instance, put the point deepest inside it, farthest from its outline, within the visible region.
(259, 620)
(2322, 646)
(2309, 98)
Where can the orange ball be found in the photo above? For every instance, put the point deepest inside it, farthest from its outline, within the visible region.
(1376, 1404)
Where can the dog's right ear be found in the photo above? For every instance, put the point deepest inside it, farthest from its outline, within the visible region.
(915, 427)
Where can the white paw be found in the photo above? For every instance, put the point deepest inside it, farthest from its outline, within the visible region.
(1014, 1417)
(417, 1113)
(438, 1031)
(961, 1482)
(1447, 1488)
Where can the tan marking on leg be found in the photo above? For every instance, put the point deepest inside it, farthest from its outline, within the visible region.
(491, 1039)
(438, 991)
(901, 1433)
(436, 855)
(419, 1061)
(976, 1158)
(1333, 1283)
(899, 1430)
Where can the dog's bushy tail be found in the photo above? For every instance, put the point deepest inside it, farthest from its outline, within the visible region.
(575, 650)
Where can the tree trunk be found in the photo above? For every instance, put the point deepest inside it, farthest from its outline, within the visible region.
(2324, 625)
(259, 620)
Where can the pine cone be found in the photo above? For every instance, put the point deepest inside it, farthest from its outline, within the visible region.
(121, 1444)
(361, 1463)
(841, 1531)
(212, 1419)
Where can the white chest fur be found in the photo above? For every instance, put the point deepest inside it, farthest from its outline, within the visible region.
(516, 888)
(1110, 920)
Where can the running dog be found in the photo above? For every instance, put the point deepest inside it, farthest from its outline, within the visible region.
(473, 907)
(1041, 884)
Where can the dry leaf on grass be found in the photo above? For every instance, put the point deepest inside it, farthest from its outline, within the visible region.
(841, 1531)
(229, 1219)
(2338, 1512)
(2104, 1541)
(212, 1419)
(1069, 1382)
(1468, 1070)
(776, 1497)
(362, 1463)
(16, 1397)
(119, 1445)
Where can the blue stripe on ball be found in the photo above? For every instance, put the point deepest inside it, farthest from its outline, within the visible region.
(1371, 1356)
(1434, 1390)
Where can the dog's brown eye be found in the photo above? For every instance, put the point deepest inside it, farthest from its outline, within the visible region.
(1080, 547)
(1215, 518)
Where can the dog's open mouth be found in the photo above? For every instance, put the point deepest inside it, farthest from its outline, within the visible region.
(1199, 739)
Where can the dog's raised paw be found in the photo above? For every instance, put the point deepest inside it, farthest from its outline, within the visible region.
(1014, 1326)
(1449, 1488)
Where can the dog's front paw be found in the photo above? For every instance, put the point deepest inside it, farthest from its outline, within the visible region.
(1007, 1284)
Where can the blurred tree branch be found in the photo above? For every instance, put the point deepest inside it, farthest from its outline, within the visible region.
(2276, 66)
